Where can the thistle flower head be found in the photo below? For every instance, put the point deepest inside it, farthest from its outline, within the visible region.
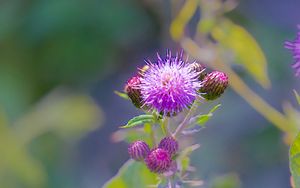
(169, 144)
(214, 85)
(138, 150)
(294, 46)
(158, 160)
(169, 85)
(133, 91)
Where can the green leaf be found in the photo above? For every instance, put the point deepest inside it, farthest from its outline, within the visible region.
(230, 180)
(214, 108)
(184, 157)
(192, 130)
(64, 113)
(297, 96)
(138, 120)
(132, 175)
(131, 135)
(148, 128)
(69, 115)
(122, 95)
(16, 164)
(185, 163)
(206, 25)
(202, 119)
(181, 20)
(245, 49)
(294, 157)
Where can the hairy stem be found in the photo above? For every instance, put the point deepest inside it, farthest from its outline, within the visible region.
(152, 137)
(164, 125)
(171, 183)
(185, 121)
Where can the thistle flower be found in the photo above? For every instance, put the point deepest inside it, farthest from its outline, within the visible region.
(133, 91)
(169, 144)
(294, 46)
(158, 161)
(214, 85)
(138, 150)
(169, 85)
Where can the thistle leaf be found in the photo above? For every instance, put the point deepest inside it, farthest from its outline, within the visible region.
(124, 178)
(294, 157)
(192, 130)
(122, 95)
(230, 180)
(202, 119)
(214, 108)
(245, 49)
(297, 96)
(138, 120)
(184, 157)
(68, 114)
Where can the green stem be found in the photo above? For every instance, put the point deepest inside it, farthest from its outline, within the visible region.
(164, 125)
(191, 112)
(171, 183)
(152, 137)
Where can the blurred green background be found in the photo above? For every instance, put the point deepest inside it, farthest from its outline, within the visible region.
(61, 60)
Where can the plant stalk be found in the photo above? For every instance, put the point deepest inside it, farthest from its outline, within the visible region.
(185, 121)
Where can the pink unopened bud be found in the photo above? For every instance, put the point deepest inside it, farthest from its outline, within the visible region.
(158, 160)
(169, 144)
(138, 150)
(133, 91)
(214, 85)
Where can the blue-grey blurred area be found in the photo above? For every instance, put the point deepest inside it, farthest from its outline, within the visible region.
(61, 60)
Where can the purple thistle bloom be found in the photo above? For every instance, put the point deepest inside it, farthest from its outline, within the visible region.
(138, 150)
(294, 46)
(158, 161)
(170, 85)
(169, 144)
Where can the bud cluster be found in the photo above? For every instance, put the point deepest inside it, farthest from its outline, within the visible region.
(165, 88)
(158, 160)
